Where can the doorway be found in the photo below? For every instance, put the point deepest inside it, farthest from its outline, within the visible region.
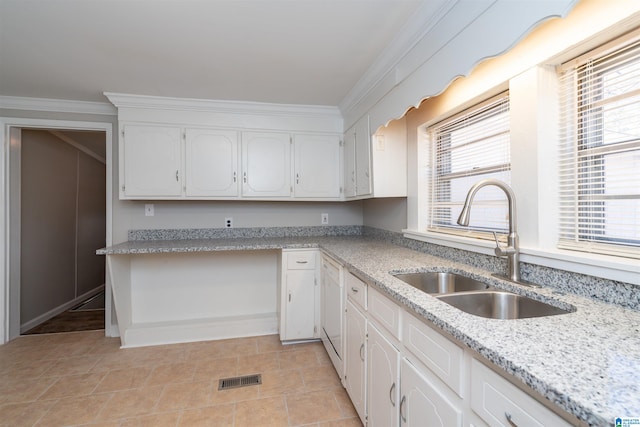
(62, 190)
(11, 323)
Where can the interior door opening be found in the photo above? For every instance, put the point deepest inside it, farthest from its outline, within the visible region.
(58, 213)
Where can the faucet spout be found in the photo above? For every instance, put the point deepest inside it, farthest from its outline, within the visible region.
(512, 250)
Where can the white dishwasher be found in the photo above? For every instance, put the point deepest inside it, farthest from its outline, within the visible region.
(332, 311)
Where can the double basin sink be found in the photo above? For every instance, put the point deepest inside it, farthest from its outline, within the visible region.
(475, 297)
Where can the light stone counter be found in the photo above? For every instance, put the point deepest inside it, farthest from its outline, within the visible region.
(586, 362)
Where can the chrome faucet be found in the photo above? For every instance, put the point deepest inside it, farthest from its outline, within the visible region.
(512, 250)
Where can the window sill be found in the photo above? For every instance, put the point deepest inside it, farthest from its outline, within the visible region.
(608, 267)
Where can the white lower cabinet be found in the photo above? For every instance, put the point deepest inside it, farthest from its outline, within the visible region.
(299, 314)
(383, 379)
(356, 361)
(422, 403)
(500, 403)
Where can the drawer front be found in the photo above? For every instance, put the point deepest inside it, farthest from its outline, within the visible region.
(500, 403)
(386, 312)
(301, 260)
(356, 290)
(441, 356)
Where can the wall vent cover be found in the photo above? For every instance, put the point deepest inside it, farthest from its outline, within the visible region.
(235, 382)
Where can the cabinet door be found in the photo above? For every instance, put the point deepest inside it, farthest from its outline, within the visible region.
(211, 163)
(422, 404)
(266, 164)
(151, 161)
(356, 352)
(350, 163)
(363, 157)
(300, 314)
(383, 387)
(317, 166)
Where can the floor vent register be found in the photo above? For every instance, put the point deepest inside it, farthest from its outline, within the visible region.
(235, 382)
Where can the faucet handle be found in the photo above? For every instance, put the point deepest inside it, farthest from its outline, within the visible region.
(502, 250)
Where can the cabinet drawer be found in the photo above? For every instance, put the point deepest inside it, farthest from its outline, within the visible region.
(501, 403)
(386, 312)
(356, 290)
(300, 260)
(441, 356)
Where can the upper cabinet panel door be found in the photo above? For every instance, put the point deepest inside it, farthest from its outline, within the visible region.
(317, 166)
(350, 163)
(266, 164)
(363, 157)
(151, 161)
(211, 163)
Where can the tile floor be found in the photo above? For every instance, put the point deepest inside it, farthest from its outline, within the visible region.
(85, 379)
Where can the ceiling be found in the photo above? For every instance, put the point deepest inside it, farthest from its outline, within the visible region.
(281, 51)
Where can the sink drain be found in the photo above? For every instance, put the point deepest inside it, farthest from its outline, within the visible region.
(235, 382)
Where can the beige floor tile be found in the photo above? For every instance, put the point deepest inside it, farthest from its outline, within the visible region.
(267, 412)
(74, 410)
(321, 377)
(71, 366)
(130, 403)
(218, 397)
(313, 407)
(216, 368)
(123, 379)
(168, 419)
(24, 370)
(23, 414)
(298, 359)
(211, 416)
(281, 382)
(344, 403)
(24, 390)
(270, 343)
(349, 422)
(258, 363)
(73, 385)
(172, 373)
(184, 396)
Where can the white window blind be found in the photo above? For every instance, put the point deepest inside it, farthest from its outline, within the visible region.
(466, 148)
(600, 151)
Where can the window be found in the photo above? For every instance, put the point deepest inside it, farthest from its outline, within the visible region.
(600, 151)
(471, 146)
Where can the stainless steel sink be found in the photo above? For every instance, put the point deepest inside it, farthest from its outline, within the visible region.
(434, 282)
(500, 305)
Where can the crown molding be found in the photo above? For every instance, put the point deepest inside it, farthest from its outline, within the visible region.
(121, 100)
(56, 105)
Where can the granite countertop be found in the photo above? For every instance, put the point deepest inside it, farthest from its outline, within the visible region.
(586, 362)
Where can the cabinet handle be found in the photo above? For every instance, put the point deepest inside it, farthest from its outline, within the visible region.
(391, 390)
(510, 420)
(177, 176)
(244, 177)
(235, 176)
(354, 290)
(289, 296)
(402, 404)
(297, 178)
(362, 352)
(301, 262)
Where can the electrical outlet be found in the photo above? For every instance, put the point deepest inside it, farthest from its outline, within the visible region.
(324, 219)
(148, 209)
(228, 222)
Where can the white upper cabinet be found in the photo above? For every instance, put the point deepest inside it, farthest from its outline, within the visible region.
(266, 164)
(316, 166)
(349, 163)
(363, 157)
(150, 162)
(211, 163)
